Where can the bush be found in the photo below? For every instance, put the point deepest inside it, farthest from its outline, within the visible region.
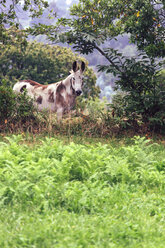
(15, 107)
(94, 118)
(146, 110)
(24, 107)
(6, 103)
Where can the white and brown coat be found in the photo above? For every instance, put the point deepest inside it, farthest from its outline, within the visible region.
(56, 97)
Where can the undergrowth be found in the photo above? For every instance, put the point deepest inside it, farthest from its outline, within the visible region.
(91, 117)
(55, 194)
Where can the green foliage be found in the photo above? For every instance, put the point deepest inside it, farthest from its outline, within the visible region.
(95, 22)
(42, 63)
(147, 109)
(6, 102)
(9, 17)
(118, 104)
(141, 80)
(72, 195)
(96, 108)
(144, 20)
(15, 107)
(14, 36)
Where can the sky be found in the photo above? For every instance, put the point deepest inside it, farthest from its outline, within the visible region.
(68, 2)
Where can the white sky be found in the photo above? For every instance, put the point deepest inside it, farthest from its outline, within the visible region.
(68, 2)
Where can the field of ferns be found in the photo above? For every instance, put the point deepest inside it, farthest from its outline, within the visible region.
(58, 194)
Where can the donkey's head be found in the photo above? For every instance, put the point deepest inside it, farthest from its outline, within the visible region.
(77, 77)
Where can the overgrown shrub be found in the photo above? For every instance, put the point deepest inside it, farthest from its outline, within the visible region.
(24, 107)
(6, 103)
(15, 107)
(93, 117)
(146, 110)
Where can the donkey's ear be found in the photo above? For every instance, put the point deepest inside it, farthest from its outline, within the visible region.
(82, 66)
(75, 66)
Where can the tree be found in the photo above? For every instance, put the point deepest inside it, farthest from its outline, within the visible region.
(42, 63)
(145, 21)
(9, 17)
(95, 22)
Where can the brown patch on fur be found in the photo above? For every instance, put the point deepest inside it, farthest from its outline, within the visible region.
(60, 88)
(23, 88)
(42, 86)
(31, 82)
(66, 103)
(39, 100)
(60, 101)
(51, 96)
(35, 84)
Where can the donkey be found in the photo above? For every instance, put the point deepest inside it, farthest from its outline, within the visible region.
(56, 97)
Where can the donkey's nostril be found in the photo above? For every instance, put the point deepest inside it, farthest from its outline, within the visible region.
(78, 92)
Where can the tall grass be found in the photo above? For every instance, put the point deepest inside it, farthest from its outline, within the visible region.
(72, 195)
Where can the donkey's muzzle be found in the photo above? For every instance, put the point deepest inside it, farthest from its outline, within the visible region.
(78, 92)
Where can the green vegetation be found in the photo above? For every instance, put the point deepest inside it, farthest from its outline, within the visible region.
(9, 15)
(15, 108)
(98, 21)
(91, 117)
(54, 194)
(42, 63)
(91, 27)
(57, 194)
